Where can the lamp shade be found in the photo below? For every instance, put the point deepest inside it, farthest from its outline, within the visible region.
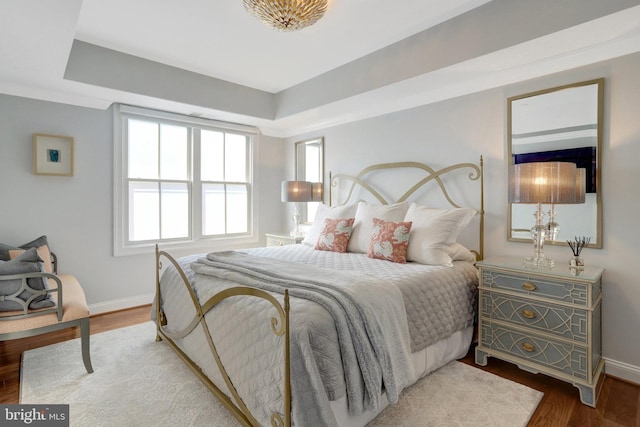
(543, 182)
(316, 191)
(296, 191)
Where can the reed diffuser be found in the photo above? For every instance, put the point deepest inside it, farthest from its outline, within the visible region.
(576, 247)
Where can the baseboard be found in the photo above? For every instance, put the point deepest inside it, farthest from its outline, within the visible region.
(622, 370)
(120, 304)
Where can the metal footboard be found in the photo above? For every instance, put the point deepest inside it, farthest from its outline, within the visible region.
(279, 326)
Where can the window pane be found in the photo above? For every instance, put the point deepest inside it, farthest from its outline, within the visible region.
(173, 152)
(212, 156)
(143, 149)
(235, 158)
(237, 204)
(312, 163)
(312, 208)
(213, 209)
(144, 211)
(175, 210)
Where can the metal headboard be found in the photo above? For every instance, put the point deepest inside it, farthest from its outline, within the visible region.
(476, 172)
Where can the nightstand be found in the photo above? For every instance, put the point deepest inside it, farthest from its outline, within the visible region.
(281, 239)
(545, 321)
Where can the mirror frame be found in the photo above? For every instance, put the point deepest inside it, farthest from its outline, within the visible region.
(600, 115)
(299, 154)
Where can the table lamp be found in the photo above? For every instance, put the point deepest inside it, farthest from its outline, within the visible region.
(543, 183)
(296, 192)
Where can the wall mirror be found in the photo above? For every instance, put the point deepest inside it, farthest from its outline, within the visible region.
(559, 124)
(309, 167)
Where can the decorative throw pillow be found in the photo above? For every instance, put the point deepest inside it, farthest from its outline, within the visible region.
(389, 240)
(43, 253)
(363, 225)
(324, 212)
(41, 244)
(335, 236)
(27, 262)
(434, 231)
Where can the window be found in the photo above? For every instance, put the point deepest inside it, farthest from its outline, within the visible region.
(180, 180)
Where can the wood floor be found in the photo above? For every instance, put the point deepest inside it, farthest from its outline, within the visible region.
(618, 406)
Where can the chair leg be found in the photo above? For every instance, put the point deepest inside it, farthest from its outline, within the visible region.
(84, 340)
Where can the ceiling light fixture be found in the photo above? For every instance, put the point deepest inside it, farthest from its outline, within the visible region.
(287, 15)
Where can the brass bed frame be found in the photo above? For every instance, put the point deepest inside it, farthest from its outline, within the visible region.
(280, 322)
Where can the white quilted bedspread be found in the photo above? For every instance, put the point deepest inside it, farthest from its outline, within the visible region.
(438, 300)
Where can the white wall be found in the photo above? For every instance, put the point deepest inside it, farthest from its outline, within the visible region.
(76, 213)
(464, 128)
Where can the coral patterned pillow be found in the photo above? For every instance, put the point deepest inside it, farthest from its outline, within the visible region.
(389, 240)
(335, 235)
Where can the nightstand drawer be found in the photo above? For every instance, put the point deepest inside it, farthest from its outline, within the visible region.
(556, 355)
(566, 322)
(565, 291)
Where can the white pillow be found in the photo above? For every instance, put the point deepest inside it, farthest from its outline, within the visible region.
(434, 231)
(363, 225)
(324, 212)
(459, 252)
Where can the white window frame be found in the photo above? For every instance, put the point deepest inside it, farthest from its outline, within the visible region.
(195, 241)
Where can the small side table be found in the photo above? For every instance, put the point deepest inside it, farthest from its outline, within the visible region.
(545, 321)
(281, 239)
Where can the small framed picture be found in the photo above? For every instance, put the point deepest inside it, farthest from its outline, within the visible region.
(52, 155)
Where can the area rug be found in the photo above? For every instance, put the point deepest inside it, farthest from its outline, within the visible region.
(139, 382)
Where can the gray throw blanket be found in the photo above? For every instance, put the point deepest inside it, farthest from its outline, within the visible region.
(369, 316)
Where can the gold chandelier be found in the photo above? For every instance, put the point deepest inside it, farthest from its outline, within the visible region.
(287, 15)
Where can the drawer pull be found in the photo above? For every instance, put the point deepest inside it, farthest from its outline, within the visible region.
(529, 314)
(528, 347)
(528, 286)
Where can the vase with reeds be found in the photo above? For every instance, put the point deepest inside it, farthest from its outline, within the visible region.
(576, 246)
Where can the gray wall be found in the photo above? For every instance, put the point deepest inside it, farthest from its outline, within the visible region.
(462, 129)
(76, 213)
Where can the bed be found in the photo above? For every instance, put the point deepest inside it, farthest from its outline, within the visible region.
(331, 331)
